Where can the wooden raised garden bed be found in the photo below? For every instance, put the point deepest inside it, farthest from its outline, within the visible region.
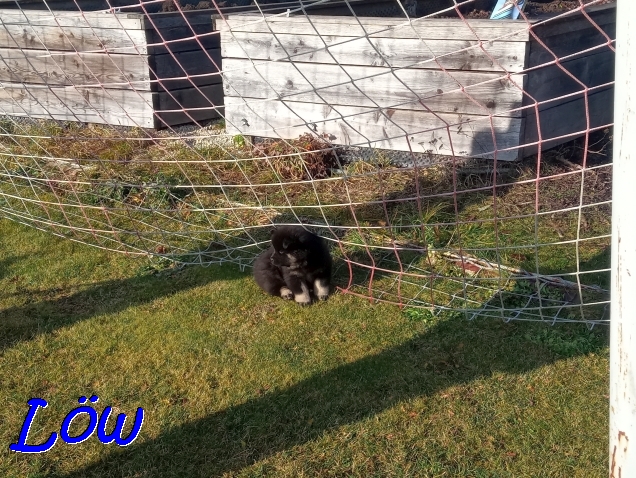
(124, 69)
(385, 83)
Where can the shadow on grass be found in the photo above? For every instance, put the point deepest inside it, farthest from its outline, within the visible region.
(452, 352)
(6, 263)
(32, 319)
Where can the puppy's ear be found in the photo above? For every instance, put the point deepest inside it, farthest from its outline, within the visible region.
(286, 243)
(271, 232)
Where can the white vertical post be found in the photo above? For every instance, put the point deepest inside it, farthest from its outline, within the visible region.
(622, 443)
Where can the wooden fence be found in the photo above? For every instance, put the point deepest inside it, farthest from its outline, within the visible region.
(443, 86)
(125, 69)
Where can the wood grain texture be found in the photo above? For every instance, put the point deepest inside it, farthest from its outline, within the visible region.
(69, 68)
(139, 85)
(336, 62)
(111, 70)
(97, 20)
(430, 29)
(401, 130)
(69, 39)
(93, 31)
(374, 86)
(395, 52)
(91, 105)
(119, 107)
(204, 41)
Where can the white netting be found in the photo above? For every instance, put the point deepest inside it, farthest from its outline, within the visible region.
(387, 127)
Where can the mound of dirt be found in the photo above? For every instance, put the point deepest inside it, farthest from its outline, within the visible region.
(169, 6)
(539, 7)
(533, 8)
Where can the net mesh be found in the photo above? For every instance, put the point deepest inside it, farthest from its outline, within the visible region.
(452, 162)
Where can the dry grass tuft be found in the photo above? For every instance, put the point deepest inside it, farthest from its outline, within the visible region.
(306, 159)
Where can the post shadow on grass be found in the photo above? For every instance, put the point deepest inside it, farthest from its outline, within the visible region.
(452, 352)
(27, 321)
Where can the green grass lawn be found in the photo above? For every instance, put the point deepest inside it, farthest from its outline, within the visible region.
(234, 383)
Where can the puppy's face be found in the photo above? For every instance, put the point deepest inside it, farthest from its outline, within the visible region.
(289, 251)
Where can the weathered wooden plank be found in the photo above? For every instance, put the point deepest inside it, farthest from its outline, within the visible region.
(164, 31)
(570, 44)
(193, 104)
(204, 65)
(91, 105)
(395, 52)
(98, 20)
(401, 130)
(70, 68)
(551, 81)
(80, 39)
(568, 118)
(374, 86)
(430, 29)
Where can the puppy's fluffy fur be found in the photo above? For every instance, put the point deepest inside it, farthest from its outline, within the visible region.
(296, 266)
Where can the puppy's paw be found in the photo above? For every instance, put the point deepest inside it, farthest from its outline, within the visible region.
(286, 294)
(321, 288)
(303, 299)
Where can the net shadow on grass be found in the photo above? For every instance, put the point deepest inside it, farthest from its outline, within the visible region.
(437, 284)
(27, 321)
(449, 353)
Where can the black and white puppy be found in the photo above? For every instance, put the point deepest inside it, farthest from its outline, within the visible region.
(296, 266)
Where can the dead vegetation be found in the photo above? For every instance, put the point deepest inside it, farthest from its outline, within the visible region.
(194, 200)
